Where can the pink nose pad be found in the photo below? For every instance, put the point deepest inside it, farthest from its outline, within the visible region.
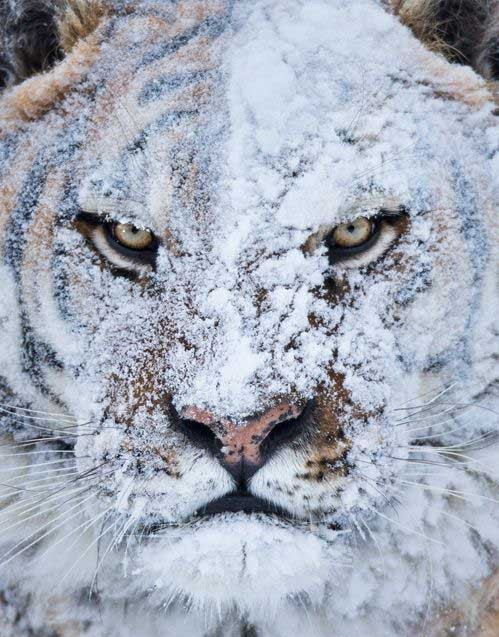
(242, 442)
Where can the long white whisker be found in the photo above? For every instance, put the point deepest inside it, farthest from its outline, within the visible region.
(430, 402)
(36, 453)
(87, 524)
(5, 559)
(457, 493)
(79, 491)
(37, 411)
(89, 548)
(30, 417)
(405, 528)
(28, 501)
(27, 468)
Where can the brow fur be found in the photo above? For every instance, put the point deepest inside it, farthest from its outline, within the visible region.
(78, 19)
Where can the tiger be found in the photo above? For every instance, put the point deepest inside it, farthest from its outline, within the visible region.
(249, 318)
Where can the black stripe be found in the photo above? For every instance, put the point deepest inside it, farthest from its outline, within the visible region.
(8, 146)
(475, 234)
(8, 423)
(161, 86)
(457, 357)
(213, 26)
(35, 353)
(25, 208)
(418, 283)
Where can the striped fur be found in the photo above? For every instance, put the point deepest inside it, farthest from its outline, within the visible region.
(140, 122)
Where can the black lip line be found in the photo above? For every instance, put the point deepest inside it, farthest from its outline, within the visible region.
(235, 502)
(241, 503)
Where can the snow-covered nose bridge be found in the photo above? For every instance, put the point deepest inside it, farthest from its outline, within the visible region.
(241, 442)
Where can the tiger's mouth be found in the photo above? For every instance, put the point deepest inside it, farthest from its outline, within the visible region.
(236, 502)
(241, 501)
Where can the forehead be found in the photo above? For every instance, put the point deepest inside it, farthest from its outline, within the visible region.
(292, 115)
(236, 142)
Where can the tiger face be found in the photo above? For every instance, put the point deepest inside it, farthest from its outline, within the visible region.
(249, 273)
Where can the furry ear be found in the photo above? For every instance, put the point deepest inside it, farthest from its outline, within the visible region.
(29, 41)
(77, 19)
(465, 31)
(34, 34)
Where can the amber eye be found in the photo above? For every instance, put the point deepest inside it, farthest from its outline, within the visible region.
(353, 234)
(131, 237)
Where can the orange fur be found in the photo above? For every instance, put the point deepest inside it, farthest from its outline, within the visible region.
(78, 19)
(38, 95)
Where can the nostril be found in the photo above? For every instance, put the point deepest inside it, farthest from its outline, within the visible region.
(200, 434)
(285, 431)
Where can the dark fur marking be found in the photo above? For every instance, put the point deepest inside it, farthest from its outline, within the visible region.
(8, 148)
(212, 26)
(23, 212)
(161, 86)
(35, 353)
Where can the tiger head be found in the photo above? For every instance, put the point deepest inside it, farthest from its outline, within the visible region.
(248, 282)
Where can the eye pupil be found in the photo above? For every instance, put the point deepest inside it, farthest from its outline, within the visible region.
(353, 234)
(131, 237)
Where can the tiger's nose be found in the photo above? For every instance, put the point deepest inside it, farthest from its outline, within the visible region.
(245, 447)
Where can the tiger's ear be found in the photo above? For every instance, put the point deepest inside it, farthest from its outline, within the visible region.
(34, 34)
(29, 39)
(464, 31)
(77, 19)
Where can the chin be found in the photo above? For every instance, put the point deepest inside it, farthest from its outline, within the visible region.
(253, 562)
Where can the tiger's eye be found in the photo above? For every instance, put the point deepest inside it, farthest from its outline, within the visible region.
(132, 237)
(353, 234)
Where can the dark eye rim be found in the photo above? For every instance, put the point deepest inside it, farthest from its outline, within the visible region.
(337, 253)
(146, 256)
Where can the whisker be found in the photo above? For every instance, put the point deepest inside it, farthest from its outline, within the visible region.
(376, 543)
(375, 486)
(28, 442)
(89, 548)
(65, 472)
(405, 528)
(413, 418)
(491, 437)
(118, 537)
(38, 464)
(457, 493)
(10, 412)
(428, 403)
(5, 559)
(86, 524)
(34, 453)
(436, 397)
(446, 432)
(27, 504)
(18, 506)
(54, 507)
(451, 464)
(36, 411)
